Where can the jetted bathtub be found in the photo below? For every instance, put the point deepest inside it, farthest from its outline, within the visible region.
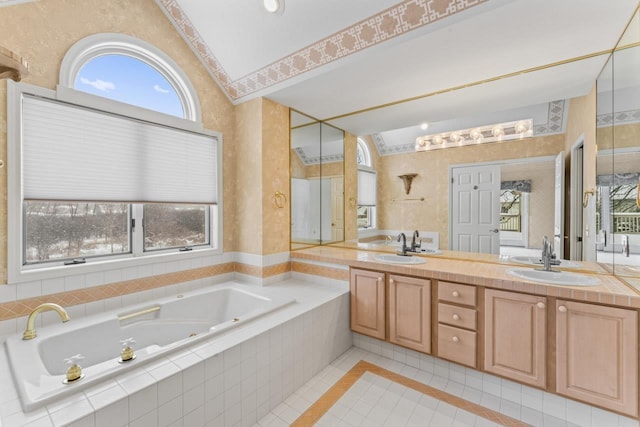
(158, 327)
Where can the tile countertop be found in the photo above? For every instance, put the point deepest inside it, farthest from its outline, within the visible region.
(611, 291)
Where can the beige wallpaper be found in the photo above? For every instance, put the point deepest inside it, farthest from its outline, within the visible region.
(247, 182)
(350, 187)
(432, 181)
(581, 121)
(327, 169)
(275, 178)
(625, 136)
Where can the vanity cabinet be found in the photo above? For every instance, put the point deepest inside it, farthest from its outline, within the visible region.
(457, 323)
(410, 312)
(515, 336)
(597, 355)
(368, 308)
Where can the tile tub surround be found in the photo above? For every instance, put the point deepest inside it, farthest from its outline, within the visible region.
(233, 380)
(137, 284)
(611, 291)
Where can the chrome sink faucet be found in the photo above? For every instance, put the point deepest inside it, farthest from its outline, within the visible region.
(403, 250)
(625, 246)
(415, 243)
(547, 255)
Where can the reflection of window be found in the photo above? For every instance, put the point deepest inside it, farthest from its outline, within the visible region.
(363, 154)
(511, 211)
(367, 188)
(625, 211)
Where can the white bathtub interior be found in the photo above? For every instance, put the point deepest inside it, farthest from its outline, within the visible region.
(39, 367)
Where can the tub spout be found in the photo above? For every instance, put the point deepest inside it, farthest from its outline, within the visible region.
(30, 332)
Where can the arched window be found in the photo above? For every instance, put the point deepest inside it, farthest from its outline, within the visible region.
(367, 188)
(128, 70)
(141, 174)
(363, 156)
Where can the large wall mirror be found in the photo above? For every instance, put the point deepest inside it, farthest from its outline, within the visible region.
(317, 182)
(618, 180)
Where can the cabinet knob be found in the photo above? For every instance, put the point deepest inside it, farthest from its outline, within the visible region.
(391, 281)
(455, 317)
(379, 279)
(540, 305)
(562, 309)
(455, 339)
(455, 294)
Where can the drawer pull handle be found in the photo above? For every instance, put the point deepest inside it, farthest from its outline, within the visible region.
(562, 309)
(540, 305)
(455, 294)
(455, 317)
(455, 339)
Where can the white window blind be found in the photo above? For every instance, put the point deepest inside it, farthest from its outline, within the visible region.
(75, 153)
(367, 189)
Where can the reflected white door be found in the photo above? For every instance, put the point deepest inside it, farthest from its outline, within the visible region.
(475, 209)
(558, 214)
(337, 209)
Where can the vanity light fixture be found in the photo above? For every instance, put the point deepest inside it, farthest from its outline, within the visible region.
(478, 135)
(274, 6)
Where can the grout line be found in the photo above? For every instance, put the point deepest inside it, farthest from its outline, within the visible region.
(333, 395)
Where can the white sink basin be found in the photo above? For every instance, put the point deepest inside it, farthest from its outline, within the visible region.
(399, 259)
(555, 278)
(535, 260)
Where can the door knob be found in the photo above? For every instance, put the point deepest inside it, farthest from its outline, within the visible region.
(494, 230)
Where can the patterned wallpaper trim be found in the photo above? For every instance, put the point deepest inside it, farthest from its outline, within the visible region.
(395, 21)
(618, 118)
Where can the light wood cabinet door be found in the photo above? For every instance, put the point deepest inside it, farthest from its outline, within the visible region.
(368, 303)
(410, 312)
(597, 355)
(515, 336)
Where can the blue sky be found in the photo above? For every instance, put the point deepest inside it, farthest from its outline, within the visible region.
(129, 80)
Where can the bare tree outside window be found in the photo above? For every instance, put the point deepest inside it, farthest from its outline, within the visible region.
(66, 230)
(173, 226)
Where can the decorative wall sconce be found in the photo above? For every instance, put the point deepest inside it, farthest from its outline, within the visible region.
(478, 135)
(585, 199)
(12, 66)
(407, 179)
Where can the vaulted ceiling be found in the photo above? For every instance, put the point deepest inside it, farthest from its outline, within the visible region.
(373, 66)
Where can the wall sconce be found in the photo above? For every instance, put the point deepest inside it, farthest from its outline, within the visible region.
(585, 199)
(478, 135)
(407, 179)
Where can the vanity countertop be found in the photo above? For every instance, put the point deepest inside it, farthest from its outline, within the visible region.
(471, 271)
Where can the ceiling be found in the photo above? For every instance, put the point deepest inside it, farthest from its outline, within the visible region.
(370, 67)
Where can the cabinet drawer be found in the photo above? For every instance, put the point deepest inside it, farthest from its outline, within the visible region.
(457, 316)
(459, 294)
(457, 345)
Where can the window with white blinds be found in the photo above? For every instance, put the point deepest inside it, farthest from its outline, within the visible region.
(71, 152)
(367, 188)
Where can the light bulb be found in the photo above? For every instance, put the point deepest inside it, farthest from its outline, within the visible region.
(272, 6)
(424, 126)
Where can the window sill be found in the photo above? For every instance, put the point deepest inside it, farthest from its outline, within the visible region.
(96, 266)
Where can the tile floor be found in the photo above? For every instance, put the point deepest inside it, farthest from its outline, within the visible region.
(380, 400)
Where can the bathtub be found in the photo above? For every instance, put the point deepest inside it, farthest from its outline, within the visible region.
(158, 328)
